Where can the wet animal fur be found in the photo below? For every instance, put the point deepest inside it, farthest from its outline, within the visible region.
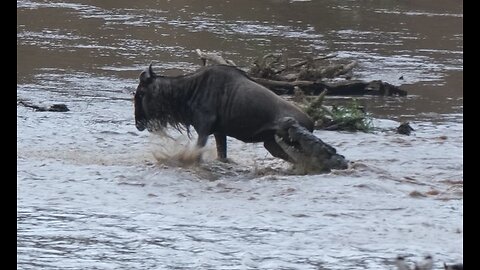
(219, 100)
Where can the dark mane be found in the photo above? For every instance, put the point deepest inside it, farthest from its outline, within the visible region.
(170, 106)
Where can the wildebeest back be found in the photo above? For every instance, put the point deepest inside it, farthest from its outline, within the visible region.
(244, 109)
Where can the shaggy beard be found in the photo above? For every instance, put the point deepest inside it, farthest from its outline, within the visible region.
(159, 128)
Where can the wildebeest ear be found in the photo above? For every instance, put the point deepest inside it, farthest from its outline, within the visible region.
(147, 74)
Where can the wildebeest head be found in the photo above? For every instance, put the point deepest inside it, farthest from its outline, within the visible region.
(160, 102)
(146, 79)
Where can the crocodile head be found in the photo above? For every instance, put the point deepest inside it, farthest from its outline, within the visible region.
(307, 150)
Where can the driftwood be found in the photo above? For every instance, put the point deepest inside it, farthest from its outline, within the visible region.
(307, 76)
(330, 71)
(345, 88)
(351, 117)
(268, 69)
(301, 63)
(215, 58)
(52, 108)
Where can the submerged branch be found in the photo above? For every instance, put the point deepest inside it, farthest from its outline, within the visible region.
(215, 58)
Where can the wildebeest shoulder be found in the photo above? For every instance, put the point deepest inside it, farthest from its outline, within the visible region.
(243, 108)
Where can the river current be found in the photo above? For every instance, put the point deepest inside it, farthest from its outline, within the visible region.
(95, 193)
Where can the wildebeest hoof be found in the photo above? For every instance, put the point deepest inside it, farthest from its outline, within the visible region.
(226, 160)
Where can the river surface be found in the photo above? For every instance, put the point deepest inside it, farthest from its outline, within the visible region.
(95, 193)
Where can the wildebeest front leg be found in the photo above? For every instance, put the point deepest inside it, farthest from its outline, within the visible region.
(202, 123)
(221, 140)
(202, 140)
(276, 151)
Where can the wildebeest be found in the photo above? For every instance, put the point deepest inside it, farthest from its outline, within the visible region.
(220, 100)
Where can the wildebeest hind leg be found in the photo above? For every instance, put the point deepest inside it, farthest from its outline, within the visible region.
(276, 150)
(221, 141)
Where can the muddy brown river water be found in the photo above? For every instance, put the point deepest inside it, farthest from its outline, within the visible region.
(95, 193)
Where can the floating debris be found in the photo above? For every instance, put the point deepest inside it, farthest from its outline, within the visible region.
(405, 128)
(53, 108)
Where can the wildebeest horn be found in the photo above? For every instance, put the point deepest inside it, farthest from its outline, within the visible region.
(150, 70)
(147, 73)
